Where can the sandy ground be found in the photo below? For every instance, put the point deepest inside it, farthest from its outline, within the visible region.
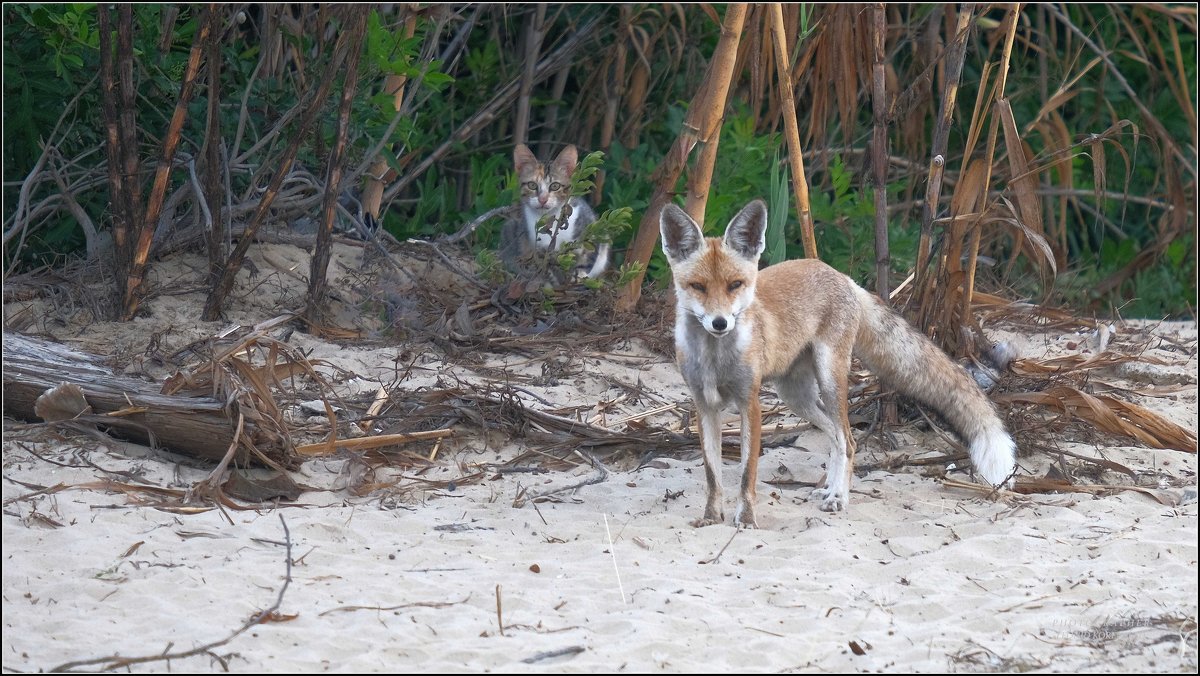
(914, 576)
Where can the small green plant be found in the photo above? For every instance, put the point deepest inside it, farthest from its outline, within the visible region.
(777, 214)
(581, 179)
(489, 265)
(628, 272)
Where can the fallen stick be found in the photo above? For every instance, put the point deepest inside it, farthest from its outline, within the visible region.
(367, 443)
(119, 662)
(596, 477)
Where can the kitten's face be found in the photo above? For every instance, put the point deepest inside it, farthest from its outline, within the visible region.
(544, 188)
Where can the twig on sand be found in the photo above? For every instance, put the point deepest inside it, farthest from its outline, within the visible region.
(613, 553)
(600, 475)
(118, 662)
(418, 604)
(718, 556)
(499, 611)
(551, 654)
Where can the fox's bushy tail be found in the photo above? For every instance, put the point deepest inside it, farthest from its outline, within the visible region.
(910, 362)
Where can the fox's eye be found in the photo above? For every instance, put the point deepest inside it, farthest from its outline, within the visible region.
(556, 186)
(698, 287)
(532, 185)
(734, 286)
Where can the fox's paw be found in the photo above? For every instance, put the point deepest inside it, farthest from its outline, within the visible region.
(831, 501)
(745, 516)
(712, 516)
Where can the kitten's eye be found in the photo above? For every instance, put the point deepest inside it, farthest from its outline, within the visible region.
(532, 185)
(734, 286)
(698, 287)
(556, 186)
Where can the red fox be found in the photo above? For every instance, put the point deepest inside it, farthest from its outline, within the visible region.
(796, 324)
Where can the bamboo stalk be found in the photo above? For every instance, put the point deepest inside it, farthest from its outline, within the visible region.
(357, 21)
(933, 189)
(608, 123)
(700, 176)
(787, 97)
(879, 150)
(879, 169)
(372, 195)
(212, 147)
(702, 114)
(1001, 101)
(130, 163)
(118, 191)
(534, 32)
(158, 193)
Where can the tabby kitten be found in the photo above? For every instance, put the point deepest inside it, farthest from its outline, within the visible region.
(544, 192)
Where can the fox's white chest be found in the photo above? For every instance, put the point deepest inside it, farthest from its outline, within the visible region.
(714, 368)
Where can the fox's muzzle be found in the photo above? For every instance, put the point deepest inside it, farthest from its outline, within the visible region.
(718, 325)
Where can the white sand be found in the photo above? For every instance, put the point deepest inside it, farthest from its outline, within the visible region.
(915, 576)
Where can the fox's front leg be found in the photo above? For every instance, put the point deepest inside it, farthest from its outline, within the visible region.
(751, 448)
(710, 444)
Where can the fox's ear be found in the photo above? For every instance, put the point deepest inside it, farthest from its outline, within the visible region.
(747, 232)
(523, 159)
(681, 237)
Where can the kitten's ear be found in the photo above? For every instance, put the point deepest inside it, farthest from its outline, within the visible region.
(747, 232)
(566, 161)
(523, 159)
(681, 236)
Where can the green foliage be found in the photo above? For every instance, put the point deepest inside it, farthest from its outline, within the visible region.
(1133, 160)
(51, 54)
(581, 179)
(393, 54)
(610, 225)
(1149, 293)
(844, 224)
(627, 272)
(68, 32)
(488, 265)
(777, 214)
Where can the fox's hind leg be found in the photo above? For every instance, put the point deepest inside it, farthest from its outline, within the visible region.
(832, 367)
(813, 391)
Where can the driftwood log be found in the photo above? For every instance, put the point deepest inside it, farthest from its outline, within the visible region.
(199, 427)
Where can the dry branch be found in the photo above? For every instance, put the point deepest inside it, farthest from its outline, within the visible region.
(368, 443)
(158, 192)
(1111, 415)
(357, 20)
(792, 129)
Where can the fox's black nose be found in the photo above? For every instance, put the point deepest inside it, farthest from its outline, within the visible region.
(719, 324)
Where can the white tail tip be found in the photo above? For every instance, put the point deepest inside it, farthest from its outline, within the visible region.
(995, 457)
